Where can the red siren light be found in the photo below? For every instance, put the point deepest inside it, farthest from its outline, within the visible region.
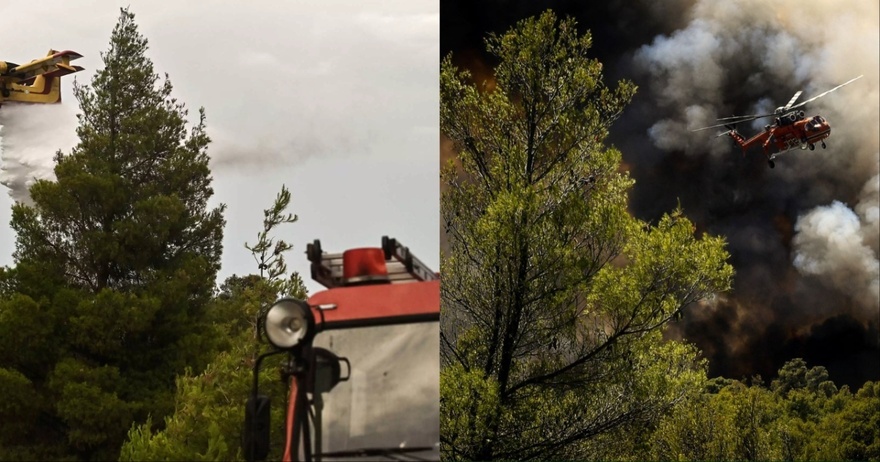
(364, 266)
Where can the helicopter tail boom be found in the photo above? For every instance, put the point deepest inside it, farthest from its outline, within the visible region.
(738, 139)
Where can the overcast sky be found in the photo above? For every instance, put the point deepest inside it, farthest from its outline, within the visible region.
(336, 99)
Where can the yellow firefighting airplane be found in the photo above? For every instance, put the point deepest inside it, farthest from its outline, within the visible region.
(38, 81)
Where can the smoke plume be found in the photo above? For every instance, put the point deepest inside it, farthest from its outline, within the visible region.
(833, 243)
(803, 237)
(286, 146)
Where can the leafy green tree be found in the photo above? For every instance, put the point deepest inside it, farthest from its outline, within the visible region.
(207, 423)
(754, 409)
(851, 428)
(739, 422)
(553, 296)
(209, 407)
(700, 428)
(115, 265)
(792, 376)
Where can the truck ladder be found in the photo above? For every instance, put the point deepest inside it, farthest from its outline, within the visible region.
(402, 265)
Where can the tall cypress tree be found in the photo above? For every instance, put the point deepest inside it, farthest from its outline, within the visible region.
(115, 262)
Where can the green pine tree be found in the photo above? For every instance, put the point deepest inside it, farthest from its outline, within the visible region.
(115, 264)
(802, 416)
(208, 420)
(554, 297)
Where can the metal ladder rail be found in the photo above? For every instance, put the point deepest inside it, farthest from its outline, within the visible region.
(402, 265)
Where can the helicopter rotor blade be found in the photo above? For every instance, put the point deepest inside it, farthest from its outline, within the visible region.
(726, 125)
(792, 100)
(734, 120)
(745, 118)
(823, 94)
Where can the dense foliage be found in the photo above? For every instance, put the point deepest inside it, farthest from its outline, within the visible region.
(208, 420)
(801, 416)
(553, 295)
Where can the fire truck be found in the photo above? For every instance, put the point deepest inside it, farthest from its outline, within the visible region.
(362, 361)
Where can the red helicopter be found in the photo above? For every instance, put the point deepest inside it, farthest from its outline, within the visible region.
(790, 129)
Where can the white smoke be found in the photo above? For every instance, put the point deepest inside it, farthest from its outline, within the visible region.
(869, 209)
(30, 135)
(841, 246)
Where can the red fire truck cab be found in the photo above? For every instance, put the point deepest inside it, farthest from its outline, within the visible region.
(362, 360)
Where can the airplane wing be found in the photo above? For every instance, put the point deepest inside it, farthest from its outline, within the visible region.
(54, 64)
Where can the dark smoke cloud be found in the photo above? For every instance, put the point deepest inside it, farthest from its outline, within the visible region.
(291, 146)
(804, 236)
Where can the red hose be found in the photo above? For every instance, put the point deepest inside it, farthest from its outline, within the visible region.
(291, 416)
